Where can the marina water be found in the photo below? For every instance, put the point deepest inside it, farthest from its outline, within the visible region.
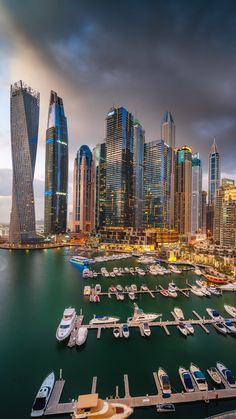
(36, 286)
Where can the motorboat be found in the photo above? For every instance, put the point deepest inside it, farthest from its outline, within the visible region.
(131, 270)
(165, 407)
(164, 292)
(164, 382)
(66, 324)
(96, 298)
(201, 283)
(179, 313)
(91, 406)
(125, 330)
(146, 329)
(214, 374)
(214, 290)
(116, 332)
(215, 279)
(92, 298)
(87, 290)
(120, 296)
(140, 317)
(205, 291)
(174, 269)
(197, 271)
(182, 329)
(220, 327)
(189, 327)
(226, 374)
(214, 314)
(134, 287)
(112, 288)
(146, 259)
(197, 291)
(228, 287)
(172, 291)
(81, 336)
(43, 396)
(119, 288)
(141, 272)
(97, 319)
(98, 288)
(230, 326)
(144, 287)
(186, 379)
(112, 274)
(80, 260)
(230, 310)
(131, 295)
(198, 377)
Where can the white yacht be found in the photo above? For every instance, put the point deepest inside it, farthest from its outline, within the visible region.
(230, 310)
(230, 326)
(198, 377)
(227, 374)
(98, 289)
(141, 317)
(186, 379)
(82, 334)
(197, 271)
(220, 327)
(146, 259)
(179, 313)
(197, 291)
(66, 324)
(205, 291)
(164, 382)
(80, 260)
(228, 287)
(189, 327)
(182, 329)
(174, 269)
(146, 329)
(90, 406)
(125, 330)
(214, 314)
(103, 319)
(43, 395)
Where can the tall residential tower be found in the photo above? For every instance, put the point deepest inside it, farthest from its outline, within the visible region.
(196, 193)
(213, 173)
(139, 138)
(24, 140)
(56, 168)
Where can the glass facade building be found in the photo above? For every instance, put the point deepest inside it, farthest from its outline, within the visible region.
(24, 140)
(56, 168)
(138, 162)
(119, 209)
(157, 171)
(196, 193)
(213, 173)
(99, 159)
(83, 203)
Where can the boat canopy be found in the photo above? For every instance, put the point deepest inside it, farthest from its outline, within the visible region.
(215, 313)
(187, 380)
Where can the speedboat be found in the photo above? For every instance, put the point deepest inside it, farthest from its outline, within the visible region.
(164, 292)
(134, 287)
(90, 406)
(186, 379)
(172, 292)
(182, 329)
(82, 334)
(131, 295)
(164, 382)
(215, 376)
(179, 313)
(125, 330)
(214, 314)
(230, 310)
(197, 271)
(96, 298)
(174, 270)
(112, 288)
(201, 283)
(141, 317)
(230, 326)
(116, 332)
(198, 377)
(97, 319)
(120, 296)
(146, 329)
(205, 291)
(197, 291)
(189, 327)
(66, 324)
(98, 288)
(226, 374)
(92, 298)
(80, 260)
(229, 287)
(119, 288)
(43, 395)
(214, 290)
(165, 407)
(221, 328)
(144, 287)
(87, 290)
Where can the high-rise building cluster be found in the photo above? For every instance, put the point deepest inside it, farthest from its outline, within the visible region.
(124, 182)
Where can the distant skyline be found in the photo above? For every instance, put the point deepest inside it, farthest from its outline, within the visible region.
(149, 57)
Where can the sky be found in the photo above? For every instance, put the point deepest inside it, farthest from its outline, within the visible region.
(148, 56)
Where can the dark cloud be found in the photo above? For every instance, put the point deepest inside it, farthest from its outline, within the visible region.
(146, 55)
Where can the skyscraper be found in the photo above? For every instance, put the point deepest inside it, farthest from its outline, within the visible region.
(224, 231)
(213, 173)
(204, 210)
(168, 135)
(99, 166)
(183, 190)
(83, 203)
(157, 166)
(139, 138)
(119, 168)
(196, 193)
(24, 140)
(56, 168)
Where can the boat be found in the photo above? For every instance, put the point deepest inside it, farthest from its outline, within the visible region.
(214, 290)
(146, 259)
(131, 295)
(179, 313)
(214, 374)
(125, 330)
(119, 288)
(92, 298)
(120, 296)
(226, 374)
(146, 329)
(205, 291)
(186, 379)
(112, 288)
(214, 314)
(91, 406)
(172, 291)
(81, 336)
(140, 317)
(196, 290)
(182, 329)
(97, 319)
(174, 270)
(198, 377)
(164, 382)
(189, 328)
(164, 292)
(96, 298)
(134, 287)
(43, 395)
(87, 290)
(228, 287)
(230, 326)
(98, 288)
(165, 407)
(144, 287)
(80, 260)
(215, 279)
(201, 283)
(230, 310)
(221, 328)
(116, 332)
(66, 324)
(197, 271)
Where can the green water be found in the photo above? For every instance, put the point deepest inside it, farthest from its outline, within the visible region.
(35, 287)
